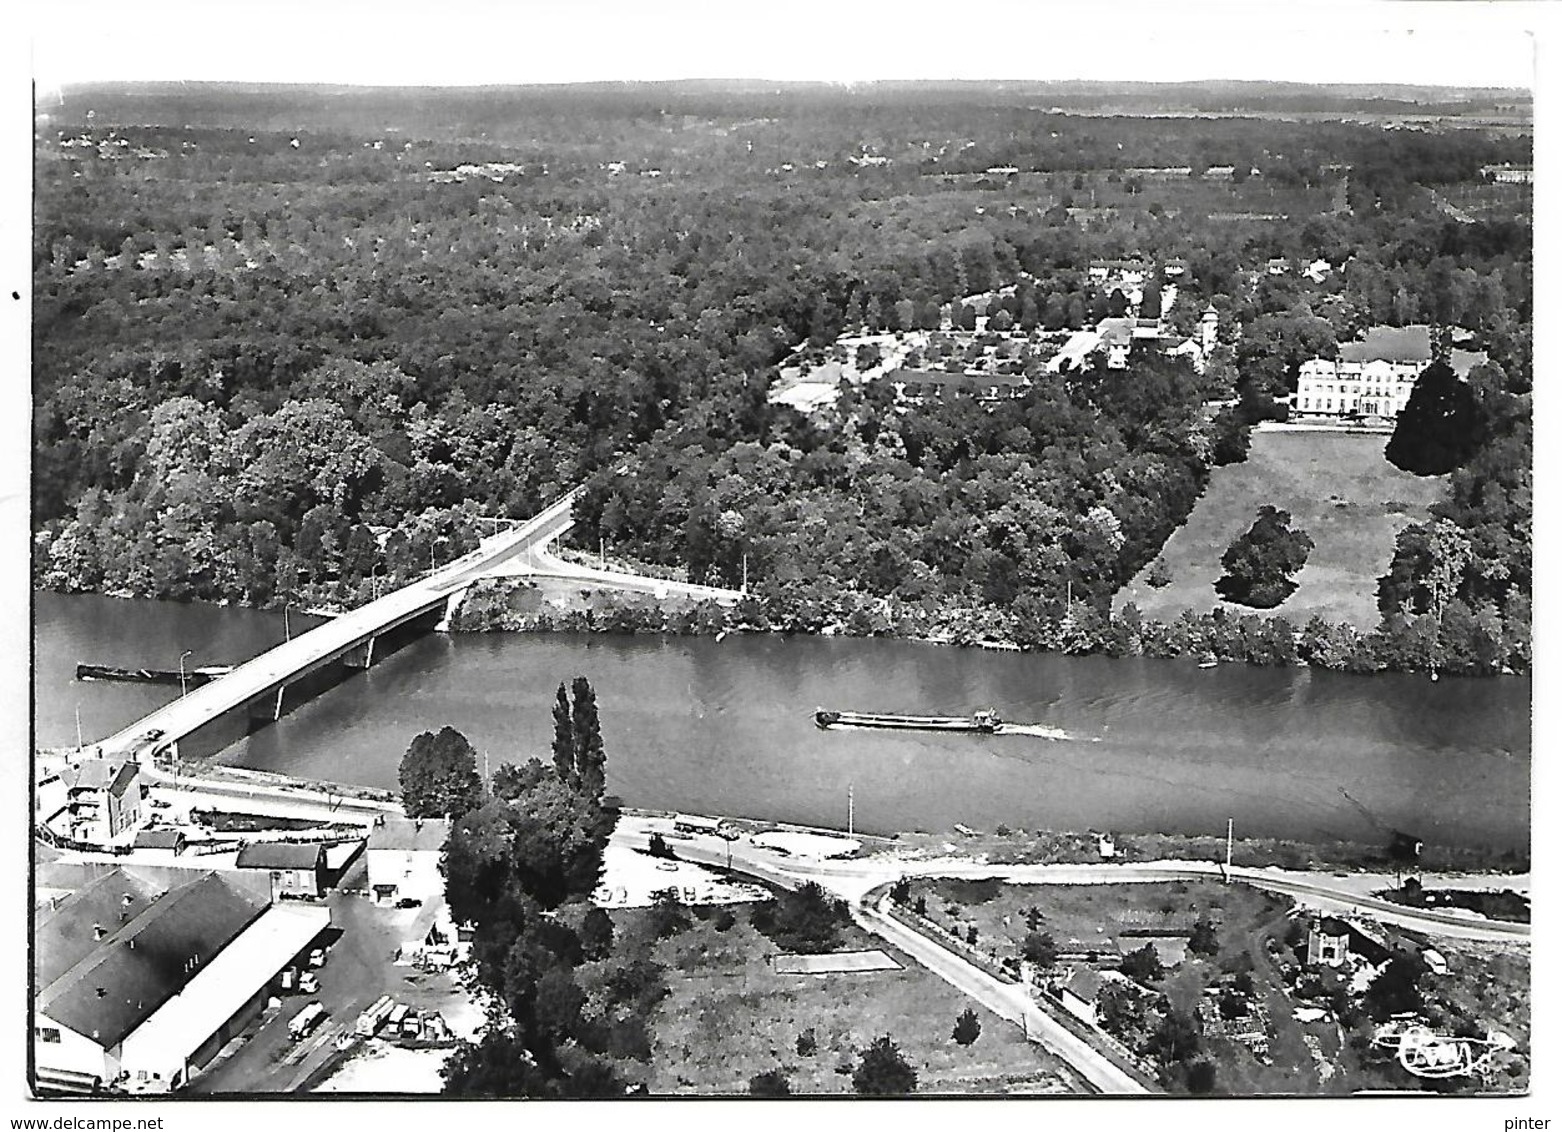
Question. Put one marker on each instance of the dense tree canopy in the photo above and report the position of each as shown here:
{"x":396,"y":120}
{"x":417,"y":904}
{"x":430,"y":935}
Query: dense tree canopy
{"x":439,"y":775}
{"x":1437,"y":431}
{"x":1259,"y":563}
{"x":573,"y":994}
{"x":281,"y":353}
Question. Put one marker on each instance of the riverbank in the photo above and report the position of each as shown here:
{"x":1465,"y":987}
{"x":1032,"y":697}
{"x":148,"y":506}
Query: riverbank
{"x":559,"y":606}
{"x":1039,"y":847}
{"x":697,"y":724}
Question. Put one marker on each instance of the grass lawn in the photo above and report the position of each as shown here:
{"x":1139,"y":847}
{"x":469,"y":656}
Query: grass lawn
{"x":731,"y":1016}
{"x":1337,"y":487}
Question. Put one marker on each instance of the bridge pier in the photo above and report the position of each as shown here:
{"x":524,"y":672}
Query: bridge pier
{"x":361,"y":655}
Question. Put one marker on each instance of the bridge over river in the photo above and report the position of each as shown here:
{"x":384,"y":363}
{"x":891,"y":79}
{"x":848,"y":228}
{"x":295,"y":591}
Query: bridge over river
{"x":216,"y":714}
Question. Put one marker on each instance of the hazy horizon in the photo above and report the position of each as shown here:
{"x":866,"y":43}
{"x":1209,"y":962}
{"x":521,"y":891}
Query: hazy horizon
{"x":485,"y":43}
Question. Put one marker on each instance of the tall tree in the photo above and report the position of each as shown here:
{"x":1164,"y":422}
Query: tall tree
{"x":590,"y":759}
{"x":1438,"y":429}
{"x":563,"y":738}
{"x":439,"y":775}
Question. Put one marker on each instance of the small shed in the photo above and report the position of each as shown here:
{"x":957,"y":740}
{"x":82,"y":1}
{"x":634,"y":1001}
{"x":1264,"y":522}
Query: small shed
{"x":296,"y":869}
{"x":167,"y":840}
{"x":1081,"y":995}
{"x":1328,"y":942}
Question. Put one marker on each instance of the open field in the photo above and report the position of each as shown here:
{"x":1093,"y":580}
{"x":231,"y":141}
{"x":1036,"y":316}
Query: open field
{"x":1337,"y":487}
{"x":731,"y":1015}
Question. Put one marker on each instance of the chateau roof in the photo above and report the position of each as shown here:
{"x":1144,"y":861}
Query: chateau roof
{"x":1390,"y":344}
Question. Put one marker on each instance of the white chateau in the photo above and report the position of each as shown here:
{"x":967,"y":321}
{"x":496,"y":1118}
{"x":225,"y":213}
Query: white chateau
{"x":1374,"y":376}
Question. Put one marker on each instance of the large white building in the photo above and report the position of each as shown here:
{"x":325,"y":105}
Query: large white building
{"x":404,"y":858}
{"x":1373,"y":377}
{"x":139,"y":981}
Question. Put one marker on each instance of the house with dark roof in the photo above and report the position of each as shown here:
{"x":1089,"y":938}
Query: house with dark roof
{"x":1328,"y":942}
{"x":102,"y":800}
{"x":136,"y":985}
{"x":295,"y":869}
{"x":404,"y":858}
{"x":1081,"y":995}
{"x":163,"y":840}
{"x":939,"y":385}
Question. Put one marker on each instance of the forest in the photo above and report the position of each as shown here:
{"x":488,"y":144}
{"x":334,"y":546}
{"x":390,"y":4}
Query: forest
{"x":289,"y":347}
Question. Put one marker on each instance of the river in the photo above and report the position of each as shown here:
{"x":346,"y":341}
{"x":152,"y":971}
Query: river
{"x":727,"y":727}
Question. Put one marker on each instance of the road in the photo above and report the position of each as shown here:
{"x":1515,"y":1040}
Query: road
{"x":263,"y":673}
{"x":1009,"y":1001}
{"x":538,"y":560}
{"x":854,"y":880}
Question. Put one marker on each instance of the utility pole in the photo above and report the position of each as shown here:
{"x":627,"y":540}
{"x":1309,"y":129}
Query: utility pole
{"x":1228,"y":850}
{"x":851,"y":811}
{"x":79,"y":743}
{"x":745,"y":571}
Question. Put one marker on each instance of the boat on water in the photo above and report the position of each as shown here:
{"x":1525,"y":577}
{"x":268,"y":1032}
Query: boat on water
{"x":190,"y":678}
{"x":981,"y":721}
{"x":1209,"y":660}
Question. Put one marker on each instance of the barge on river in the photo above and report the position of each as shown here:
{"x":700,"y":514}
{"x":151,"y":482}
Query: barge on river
{"x":190,"y":678}
{"x":986,"y":722}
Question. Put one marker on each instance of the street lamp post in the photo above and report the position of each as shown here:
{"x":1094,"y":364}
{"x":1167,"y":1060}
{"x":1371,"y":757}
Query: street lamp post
{"x":183,"y":687}
{"x":287,"y":625}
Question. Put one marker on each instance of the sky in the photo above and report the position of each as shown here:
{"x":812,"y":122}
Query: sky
{"x":484,"y":41}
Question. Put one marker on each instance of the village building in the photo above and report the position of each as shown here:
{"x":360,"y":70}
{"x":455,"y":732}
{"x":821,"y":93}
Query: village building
{"x":295,"y":870}
{"x":1118,"y":272}
{"x":1509,"y":174}
{"x":937,"y":385}
{"x":101,"y":800}
{"x":1328,"y":942}
{"x":168,"y":841}
{"x":138,"y":983}
{"x":404,"y":858}
{"x":1081,"y":995}
{"x":1373,"y":377}
{"x":1318,"y":270}
{"x":1075,"y":352}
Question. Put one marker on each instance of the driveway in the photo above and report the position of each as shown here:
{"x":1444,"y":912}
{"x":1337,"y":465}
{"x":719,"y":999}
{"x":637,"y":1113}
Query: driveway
{"x":359,"y":968}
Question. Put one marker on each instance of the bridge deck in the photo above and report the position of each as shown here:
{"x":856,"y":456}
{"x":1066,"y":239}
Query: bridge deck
{"x":307,"y":651}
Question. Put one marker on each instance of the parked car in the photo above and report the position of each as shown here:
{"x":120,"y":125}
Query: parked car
{"x":308,"y":983}
{"x":408,"y":902}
